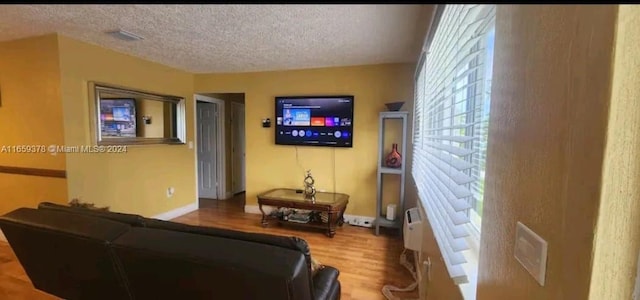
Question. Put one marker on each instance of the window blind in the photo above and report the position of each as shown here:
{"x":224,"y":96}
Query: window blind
{"x":450,"y":120}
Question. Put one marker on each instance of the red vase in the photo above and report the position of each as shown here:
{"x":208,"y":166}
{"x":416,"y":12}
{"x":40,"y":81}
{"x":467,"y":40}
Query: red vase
{"x":394,"y":159}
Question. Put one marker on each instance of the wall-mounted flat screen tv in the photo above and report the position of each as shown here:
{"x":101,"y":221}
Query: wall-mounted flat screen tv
{"x":314,"y":121}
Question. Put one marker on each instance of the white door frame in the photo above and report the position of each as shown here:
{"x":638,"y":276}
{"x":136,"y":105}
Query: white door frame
{"x":220,"y":145}
{"x":233,"y":143}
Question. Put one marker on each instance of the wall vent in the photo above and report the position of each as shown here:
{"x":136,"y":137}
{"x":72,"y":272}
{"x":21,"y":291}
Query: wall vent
{"x":125,"y":35}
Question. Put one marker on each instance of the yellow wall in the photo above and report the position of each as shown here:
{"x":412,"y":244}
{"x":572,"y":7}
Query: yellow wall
{"x":549,"y":109}
{"x":271,"y":166}
{"x":618,"y":227}
{"x":30,"y":86}
{"x":135,"y":181}
{"x":154,"y":109}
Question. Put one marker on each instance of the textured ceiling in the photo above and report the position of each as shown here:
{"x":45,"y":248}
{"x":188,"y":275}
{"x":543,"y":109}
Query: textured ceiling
{"x":234,"y":38}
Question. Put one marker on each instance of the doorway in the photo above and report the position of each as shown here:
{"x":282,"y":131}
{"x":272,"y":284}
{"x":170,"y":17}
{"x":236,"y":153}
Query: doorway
{"x":210,"y":145}
{"x":237,"y":148}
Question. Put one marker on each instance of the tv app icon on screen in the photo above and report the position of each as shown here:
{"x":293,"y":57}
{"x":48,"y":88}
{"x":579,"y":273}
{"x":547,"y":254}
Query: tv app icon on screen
{"x":330,"y":121}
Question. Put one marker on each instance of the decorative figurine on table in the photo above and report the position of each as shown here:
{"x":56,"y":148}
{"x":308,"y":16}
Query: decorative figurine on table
{"x":309,"y":189}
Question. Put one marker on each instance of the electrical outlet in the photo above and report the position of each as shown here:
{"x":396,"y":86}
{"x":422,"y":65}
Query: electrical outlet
{"x":170,"y":192}
{"x":531,"y":252}
{"x":358,"y":221}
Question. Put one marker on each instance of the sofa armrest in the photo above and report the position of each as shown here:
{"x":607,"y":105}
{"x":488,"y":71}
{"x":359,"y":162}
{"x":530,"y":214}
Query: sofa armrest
{"x":326,"y":285}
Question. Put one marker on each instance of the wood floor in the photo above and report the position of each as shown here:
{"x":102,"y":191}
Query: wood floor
{"x":366,"y":262}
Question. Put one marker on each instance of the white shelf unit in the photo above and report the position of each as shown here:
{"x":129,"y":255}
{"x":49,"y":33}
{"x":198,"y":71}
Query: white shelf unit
{"x":381,"y":220}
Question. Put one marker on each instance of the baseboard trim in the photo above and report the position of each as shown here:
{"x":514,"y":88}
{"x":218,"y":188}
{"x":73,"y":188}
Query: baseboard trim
{"x":2,"y":237}
{"x":172,"y":214}
{"x":354,"y":220}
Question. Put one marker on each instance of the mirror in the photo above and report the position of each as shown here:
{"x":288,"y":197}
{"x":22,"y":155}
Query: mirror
{"x":125,"y":116}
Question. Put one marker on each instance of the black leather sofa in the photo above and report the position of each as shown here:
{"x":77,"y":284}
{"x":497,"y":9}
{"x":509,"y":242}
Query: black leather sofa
{"x":76,"y":253}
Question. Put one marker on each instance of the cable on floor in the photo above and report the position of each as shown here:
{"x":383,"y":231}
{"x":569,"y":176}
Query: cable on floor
{"x":387,"y":289}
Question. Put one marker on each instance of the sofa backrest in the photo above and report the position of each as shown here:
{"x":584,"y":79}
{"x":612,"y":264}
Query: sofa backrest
{"x":67,"y":255}
{"x":286,"y":242}
{"x":131,"y":219}
{"x":195,"y":266}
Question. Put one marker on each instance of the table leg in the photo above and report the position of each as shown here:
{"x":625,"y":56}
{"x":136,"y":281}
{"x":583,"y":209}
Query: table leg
{"x":264,"y":222}
{"x":341,"y":216}
{"x":331,"y":230}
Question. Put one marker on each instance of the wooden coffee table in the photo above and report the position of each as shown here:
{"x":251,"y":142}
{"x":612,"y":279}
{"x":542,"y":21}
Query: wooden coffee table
{"x":334,"y":204}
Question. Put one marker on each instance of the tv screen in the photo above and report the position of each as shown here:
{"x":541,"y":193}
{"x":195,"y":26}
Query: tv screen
{"x":118,"y":117}
{"x":121,"y":113}
{"x":314,"y":121}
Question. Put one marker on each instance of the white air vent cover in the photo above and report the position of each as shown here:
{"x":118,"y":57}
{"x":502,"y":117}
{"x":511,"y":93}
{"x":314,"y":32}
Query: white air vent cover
{"x":412,"y":229}
{"x":125,"y":35}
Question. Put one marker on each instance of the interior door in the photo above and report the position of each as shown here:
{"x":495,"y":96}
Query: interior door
{"x":207,"y":118}
{"x":238,"y":148}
